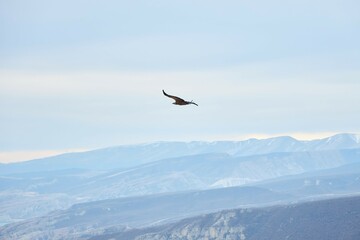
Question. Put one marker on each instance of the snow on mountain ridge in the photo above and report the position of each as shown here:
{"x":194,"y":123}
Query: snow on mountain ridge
{"x":356,"y":137}
{"x":232,"y":181}
{"x":127,"y":156}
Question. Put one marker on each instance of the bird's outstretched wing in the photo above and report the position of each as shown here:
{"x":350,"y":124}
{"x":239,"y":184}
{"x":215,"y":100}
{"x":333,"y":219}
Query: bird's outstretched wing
{"x":178,"y":101}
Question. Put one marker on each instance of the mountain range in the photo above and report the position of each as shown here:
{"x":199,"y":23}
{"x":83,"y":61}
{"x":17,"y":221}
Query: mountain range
{"x":134,"y":155}
{"x":316,"y":220}
{"x":140,"y":186}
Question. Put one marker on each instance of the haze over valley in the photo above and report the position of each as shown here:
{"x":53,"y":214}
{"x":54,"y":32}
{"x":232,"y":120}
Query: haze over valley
{"x":118,"y":189}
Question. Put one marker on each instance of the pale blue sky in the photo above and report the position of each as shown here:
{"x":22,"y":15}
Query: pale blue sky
{"x":88,"y":74}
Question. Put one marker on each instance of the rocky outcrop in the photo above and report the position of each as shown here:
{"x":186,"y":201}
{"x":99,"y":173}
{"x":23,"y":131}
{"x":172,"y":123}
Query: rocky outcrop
{"x":220,"y":229}
{"x":320,"y":220}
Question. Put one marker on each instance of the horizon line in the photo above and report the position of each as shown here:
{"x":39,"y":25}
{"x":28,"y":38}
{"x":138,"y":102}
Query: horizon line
{"x":28,"y":155}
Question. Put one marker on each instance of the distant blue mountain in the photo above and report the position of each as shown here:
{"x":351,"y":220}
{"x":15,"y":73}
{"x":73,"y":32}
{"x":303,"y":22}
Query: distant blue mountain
{"x":127,"y":156}
{"x":209,"y":171}
{"x":36,"y":187}
{"x":203,"y":171}
{"x":156,"y":217}
{"x":332,"y":219}
{"x":88,"y":218}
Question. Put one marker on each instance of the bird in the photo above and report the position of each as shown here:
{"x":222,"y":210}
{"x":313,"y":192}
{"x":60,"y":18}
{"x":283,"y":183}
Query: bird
{"x":179,"y":101}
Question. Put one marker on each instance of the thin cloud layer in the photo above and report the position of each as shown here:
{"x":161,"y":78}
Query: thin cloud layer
{"x":89,"y":74}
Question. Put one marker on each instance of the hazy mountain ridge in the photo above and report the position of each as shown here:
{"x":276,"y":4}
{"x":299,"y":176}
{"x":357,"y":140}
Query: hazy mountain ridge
{"x":133,"y":155}
{"x":177,"y":174}
{"x":125,"y":213}
{"x":104,"y":217}
{"x":61,"y":188}
{"x":21,"y":205}
{"x":319,"y":220}
{"x":168,"y":175}
{"x":209,"y":171}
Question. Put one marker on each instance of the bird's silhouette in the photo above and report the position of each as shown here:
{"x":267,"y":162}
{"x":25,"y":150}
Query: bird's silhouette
{"x":178,"y":101}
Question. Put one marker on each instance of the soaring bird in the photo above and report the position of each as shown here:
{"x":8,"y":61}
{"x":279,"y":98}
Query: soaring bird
{"x":178,"y":101}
